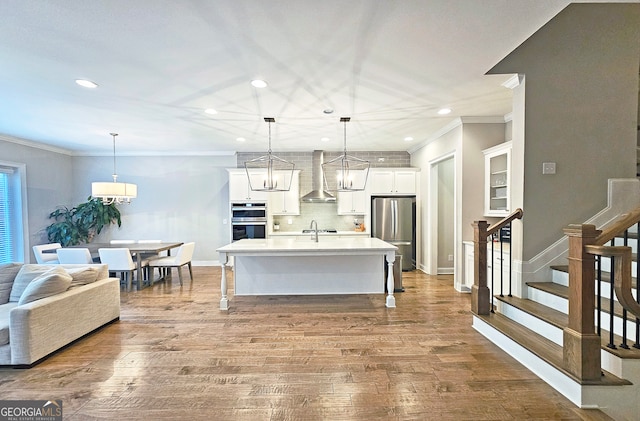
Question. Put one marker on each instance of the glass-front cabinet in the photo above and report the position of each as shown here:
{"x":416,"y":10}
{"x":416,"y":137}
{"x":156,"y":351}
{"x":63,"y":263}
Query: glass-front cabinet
{"x":497,"y":180}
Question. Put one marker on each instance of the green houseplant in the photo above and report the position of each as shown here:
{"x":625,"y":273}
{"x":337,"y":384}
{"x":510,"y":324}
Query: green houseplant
{"x":82,"y":222}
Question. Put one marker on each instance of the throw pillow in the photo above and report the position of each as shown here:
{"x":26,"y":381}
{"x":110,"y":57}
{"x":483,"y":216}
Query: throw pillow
{"x":26,"y":274}
{"x":52,"y":282}
{"x":83,"y":276}
{"x":8,"y":272}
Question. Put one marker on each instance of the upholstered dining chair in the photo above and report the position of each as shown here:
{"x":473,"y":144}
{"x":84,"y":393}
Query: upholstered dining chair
{"x":182,"y":257}
{"x":119,"y":260}
{"x":74,"y":255}
{"x":42,"y":257}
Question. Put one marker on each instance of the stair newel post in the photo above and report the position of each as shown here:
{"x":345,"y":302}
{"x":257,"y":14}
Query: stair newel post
{"x":581,"y":347}
{"x":480,"y":303}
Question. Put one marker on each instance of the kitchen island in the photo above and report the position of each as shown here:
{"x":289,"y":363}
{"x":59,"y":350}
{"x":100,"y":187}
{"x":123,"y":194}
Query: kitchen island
{"x":301,"y":266}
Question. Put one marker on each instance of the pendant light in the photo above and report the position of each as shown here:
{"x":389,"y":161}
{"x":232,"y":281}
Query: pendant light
{"x":113,"y":191}
{"x":269,"y":173}
{"x":350,"y":173}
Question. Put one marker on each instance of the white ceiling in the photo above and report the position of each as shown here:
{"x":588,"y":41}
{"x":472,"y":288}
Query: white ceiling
{"x":388,"y":64}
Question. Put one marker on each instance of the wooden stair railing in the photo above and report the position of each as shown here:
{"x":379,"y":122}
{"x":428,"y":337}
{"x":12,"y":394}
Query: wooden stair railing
{"x":581,"y":347}
{"x":480,"y":299}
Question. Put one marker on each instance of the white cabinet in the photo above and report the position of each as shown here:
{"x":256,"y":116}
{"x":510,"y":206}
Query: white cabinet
{"x":498,"y":266}
{"x":497,"y":180}
{"x":286,"y":202}
{"x":353,"y":202}
{"x":239,"y":188}
{"x":393,"y":181}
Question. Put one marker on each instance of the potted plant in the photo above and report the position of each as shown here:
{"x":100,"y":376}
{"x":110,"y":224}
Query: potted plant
{"x":82,"y":222}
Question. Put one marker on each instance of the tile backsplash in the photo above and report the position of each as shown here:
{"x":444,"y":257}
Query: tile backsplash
{"x":326,"y":214}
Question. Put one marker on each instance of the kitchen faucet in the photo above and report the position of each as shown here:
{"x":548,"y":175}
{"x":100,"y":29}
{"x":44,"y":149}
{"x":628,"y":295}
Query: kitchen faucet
{"x":315,"y":230}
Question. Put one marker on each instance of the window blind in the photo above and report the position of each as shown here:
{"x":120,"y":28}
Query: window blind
{"x":10,"y":220}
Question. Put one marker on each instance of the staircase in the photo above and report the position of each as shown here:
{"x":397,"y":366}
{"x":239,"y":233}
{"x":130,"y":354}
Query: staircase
{"x":533,"y":330}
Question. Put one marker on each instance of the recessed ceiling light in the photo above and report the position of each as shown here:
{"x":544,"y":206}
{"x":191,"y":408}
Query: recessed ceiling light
{"x":241,"y":139}
{"x":257,"y":83}
{"x":328,"y":111}
{"x":408,"y":139}
{"x":210,"y":111}
{"x":86,"y":83}
{"x":444,"y":111}
{"x":325,"y":139}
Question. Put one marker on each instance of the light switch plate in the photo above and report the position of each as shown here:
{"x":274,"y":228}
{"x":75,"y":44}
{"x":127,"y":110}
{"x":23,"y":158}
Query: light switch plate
{"x":548,"y":168}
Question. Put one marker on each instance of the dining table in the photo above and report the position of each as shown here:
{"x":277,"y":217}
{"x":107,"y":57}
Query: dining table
{"x":139,"y":250}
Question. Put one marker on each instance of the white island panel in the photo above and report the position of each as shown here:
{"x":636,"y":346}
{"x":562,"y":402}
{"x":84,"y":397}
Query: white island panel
{"x":308,"y":275}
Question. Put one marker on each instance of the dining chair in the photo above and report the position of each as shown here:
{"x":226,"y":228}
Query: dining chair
{"x":182,"y":257}
{"x":119,"y":260}
{"x":42,"y":257}
{"x":74,"y":255}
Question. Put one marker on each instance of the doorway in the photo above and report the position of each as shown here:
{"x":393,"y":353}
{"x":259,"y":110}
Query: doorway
{"x":442,"y":216}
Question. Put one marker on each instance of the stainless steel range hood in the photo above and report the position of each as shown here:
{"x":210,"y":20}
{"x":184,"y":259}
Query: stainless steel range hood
{"x":317,"y":194}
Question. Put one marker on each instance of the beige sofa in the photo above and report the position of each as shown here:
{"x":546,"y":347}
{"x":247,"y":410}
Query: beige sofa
{"x":32,"y":327}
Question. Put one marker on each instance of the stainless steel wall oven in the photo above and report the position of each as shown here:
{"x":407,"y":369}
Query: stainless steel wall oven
{"x":248,"y":220}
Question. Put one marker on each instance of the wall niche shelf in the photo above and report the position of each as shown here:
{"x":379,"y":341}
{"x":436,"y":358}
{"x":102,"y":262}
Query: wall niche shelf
{"x":497,"y":180}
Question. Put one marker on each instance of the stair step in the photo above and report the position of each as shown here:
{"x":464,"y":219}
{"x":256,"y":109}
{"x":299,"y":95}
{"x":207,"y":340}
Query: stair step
{"x":561,"y":320}
{"x":563,"y":292}
{"x":606,"y":276}
{"x":543,"y":348}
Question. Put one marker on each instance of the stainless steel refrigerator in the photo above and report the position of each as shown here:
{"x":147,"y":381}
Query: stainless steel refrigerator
{"x":393,"y":219}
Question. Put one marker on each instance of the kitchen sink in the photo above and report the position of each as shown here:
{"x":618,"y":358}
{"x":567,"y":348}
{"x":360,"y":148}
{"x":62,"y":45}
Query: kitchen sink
{"x":325,"y":231}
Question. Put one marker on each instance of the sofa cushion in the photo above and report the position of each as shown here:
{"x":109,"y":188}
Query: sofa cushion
{"x":27,"y":273}
{"x":8,"y":272}
{"x":4,"y":322}
{"x":82,"y":276}
{"x":52,"y":282}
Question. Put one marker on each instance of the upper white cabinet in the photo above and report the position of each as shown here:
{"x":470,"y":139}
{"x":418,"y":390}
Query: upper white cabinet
{"x":497,"y":180}
{"x":353,"y":202}
{"x":239,"y":188}
{"x":286,"y":202}
{"x":392,"y":181}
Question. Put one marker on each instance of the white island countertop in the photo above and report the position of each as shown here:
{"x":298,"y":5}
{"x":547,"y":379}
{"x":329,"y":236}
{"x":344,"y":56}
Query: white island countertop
{"x":275,"y":246}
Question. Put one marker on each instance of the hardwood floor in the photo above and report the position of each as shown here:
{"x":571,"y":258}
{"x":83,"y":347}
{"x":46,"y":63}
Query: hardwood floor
{"x":175,"y":356}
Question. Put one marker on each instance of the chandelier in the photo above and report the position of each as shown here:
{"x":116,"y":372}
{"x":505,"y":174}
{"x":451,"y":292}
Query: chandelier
{"x":112,"y":191}
{"x":350,"y":173}
{"x":269,"y":173}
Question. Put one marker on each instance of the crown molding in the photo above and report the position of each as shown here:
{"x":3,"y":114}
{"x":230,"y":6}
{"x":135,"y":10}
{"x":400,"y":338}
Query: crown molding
{"x":156,"y":153}
{"x":512,"y":82}
{"x":33,"y":144}
{"x":68,"y":152}
{"x":455,"y":124}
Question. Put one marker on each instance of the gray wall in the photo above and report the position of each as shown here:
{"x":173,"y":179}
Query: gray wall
{"x":465,"y":143}
{"x":49,"y":184}
{"x":580,"y":111}
{"x":180,"y":198}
